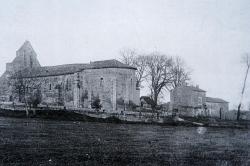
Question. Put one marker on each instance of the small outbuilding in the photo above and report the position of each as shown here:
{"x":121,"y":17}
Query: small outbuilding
{"x":216,"y":107}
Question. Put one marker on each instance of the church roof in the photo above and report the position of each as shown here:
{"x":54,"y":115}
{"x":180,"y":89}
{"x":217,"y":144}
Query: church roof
{"x":215,"y":100}
{"x":50,"y":70}
{"x":69,"y":68}
{"x":108,"y":64}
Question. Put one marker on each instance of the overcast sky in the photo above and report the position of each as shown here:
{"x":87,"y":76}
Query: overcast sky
{"x":210,"y":35}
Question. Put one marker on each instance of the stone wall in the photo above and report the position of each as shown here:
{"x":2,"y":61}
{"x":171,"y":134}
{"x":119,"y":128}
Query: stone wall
{"x":213,"y":109}
{"x":115,"y":88}
{"x":4,"y":87}
{"x":55,"y":90}
{"x":112,"y":86}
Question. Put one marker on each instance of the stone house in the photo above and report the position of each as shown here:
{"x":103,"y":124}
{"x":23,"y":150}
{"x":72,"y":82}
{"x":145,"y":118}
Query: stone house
{"x":188,"y":100}
{"x":192,"y":101}
{"x":216,"y":107}
{"x":74,"y":85}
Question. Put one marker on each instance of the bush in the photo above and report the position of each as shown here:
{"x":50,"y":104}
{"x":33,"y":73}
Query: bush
{"x":96,"y":104}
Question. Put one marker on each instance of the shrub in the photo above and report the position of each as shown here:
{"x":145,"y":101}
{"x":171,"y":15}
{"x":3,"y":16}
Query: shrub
{"x":96,"y":104}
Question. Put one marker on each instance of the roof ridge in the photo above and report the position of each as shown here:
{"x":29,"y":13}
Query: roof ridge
{"x":216,"y":99}
{"x":63,"y":69}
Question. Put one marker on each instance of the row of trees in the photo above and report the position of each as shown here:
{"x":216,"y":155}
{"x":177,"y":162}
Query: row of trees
{"x":159,"y":71}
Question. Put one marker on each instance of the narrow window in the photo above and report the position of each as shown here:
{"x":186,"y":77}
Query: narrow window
{"x":31,"y":62}
{"x":67,"y":85}
{"x":101,"y":81}
{"x":199,"y":100}
{"x":24,"y":60}
{"x":49,"y":86}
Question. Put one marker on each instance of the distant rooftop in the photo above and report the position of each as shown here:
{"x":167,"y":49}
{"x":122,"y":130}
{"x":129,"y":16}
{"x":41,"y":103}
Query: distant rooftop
{"x":194,"y":88}
{"x":215,"y":100}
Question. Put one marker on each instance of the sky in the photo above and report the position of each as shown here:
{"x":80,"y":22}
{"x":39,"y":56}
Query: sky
{"x":210,"y":35}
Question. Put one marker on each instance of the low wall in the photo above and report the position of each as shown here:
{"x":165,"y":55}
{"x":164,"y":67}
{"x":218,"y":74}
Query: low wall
{"x":129,"y":115}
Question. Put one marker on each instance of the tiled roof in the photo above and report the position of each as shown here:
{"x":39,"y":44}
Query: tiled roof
{"x":51,"y":70}
{"x":109,"y":64}
{"x":195,"y":88}
{"x":70,"y":68}
{"x":215,"y":100}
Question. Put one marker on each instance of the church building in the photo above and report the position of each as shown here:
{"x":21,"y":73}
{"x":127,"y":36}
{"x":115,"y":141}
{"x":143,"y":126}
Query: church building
{"x":110,"y":82}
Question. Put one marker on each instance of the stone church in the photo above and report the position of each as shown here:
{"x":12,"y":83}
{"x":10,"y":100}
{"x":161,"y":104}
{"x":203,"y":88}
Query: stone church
{"x":73,"y":85}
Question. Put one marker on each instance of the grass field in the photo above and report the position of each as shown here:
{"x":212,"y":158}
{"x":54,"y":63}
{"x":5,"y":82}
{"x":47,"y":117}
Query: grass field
{"x":50,"y":142}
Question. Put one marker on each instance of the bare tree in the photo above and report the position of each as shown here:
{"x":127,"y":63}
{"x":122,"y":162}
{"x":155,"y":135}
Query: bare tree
{"x":158,"y":74}
{"x":180,"y":75}
{"x":27,"y":90}
{"x":141,"y":65}
{"x":132,"y":58}
{"x":128,"y":56}
{"x":246,"y":61}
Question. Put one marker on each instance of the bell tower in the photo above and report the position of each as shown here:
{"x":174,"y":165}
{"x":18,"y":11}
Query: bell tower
{"x":26,"y":57}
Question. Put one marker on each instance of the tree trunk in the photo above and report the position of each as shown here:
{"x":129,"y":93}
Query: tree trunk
{"x":238,"y":112}
{"x":155,"y":101}
{"x":243,"y":90}
{"x":26,"y":106}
